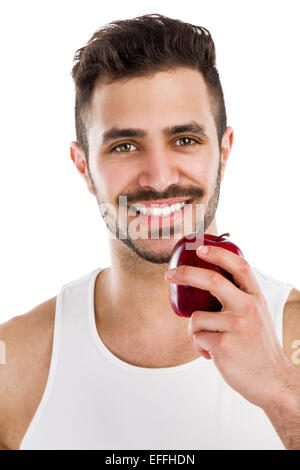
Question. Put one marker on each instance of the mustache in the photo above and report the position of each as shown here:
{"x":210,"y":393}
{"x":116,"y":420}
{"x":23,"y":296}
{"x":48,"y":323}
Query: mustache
{"x":174,"y":192}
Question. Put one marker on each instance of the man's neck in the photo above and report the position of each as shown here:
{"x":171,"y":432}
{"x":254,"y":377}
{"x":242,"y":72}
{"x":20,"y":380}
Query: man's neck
{"x":129,"y":299}
{"x":138,"y":333}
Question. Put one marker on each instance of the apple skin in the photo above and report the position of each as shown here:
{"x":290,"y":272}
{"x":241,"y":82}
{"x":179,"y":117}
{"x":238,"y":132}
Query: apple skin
{"x":186,"y":299}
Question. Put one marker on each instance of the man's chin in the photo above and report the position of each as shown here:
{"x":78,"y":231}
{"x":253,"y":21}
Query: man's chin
{"x":155,"y":251}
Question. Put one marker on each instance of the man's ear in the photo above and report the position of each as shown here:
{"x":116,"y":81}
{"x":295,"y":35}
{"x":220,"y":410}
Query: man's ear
{"x":78,"y":157}
{"x":227,"y":142}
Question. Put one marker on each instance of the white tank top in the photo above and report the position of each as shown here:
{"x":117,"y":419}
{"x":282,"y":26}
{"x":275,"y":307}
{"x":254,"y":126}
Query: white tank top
{"x":94,"y":400}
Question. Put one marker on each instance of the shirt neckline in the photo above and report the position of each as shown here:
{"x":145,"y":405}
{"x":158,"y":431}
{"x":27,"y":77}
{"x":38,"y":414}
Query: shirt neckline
{"x":110,"y":356}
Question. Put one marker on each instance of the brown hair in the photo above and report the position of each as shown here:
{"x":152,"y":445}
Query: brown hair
{"x":142,"y":46}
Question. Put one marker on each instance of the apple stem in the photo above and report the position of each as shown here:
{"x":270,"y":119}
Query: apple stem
{"x":223,"y":235}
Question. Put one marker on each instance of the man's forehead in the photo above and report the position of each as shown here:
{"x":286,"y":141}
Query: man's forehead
{"x":117,"y":106}
{"x":162,"y":88}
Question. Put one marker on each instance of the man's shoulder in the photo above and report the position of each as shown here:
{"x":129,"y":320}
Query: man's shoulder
{"x":27,"y":341}
{"x":34,"y":319}
{"x":294,"y":296}
{"x":23,"y":334}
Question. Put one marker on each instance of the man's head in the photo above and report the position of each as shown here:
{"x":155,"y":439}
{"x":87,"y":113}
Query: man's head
{"x":151,"y":74}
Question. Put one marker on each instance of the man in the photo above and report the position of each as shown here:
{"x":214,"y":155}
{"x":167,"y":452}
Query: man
{"x":106,"y":364}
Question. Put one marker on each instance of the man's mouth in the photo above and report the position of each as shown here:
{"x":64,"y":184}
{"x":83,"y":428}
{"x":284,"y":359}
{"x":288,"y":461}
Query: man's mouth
{"x":160,"y":208}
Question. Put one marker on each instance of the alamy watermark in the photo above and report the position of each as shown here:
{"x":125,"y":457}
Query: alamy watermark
{"x":295,"y":357}
{"x":155,"y":226}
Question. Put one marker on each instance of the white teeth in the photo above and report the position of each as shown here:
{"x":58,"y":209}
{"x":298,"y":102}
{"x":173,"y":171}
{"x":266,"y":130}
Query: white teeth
{"x":157,"y":212}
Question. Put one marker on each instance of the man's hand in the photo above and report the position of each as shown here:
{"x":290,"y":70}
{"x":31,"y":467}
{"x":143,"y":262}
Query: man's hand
{"x":240,"y":339}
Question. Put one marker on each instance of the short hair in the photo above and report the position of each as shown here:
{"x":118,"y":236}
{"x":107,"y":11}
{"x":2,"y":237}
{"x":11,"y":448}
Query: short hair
{"x":139,"y":47}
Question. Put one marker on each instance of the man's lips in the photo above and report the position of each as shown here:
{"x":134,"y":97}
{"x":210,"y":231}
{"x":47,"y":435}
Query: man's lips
{"x":161,"y":203}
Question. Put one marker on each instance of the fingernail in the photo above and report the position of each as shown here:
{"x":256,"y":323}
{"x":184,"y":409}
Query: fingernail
{"x":171,"y":273}
{"x":202,"y":249}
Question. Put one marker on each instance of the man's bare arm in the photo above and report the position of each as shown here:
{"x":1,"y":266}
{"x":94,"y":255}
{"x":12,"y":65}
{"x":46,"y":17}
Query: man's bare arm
{"x":28,"y":343}
{"x":284,"y":413}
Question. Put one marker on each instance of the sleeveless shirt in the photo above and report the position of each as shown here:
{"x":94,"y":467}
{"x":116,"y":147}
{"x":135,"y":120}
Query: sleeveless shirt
{"x":94,"y":400}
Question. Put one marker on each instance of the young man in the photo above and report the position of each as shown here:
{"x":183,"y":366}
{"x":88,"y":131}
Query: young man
{"x":106,"y":364}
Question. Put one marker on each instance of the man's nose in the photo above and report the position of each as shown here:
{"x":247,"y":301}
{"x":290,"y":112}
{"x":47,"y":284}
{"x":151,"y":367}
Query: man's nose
{"x":158,"y":170}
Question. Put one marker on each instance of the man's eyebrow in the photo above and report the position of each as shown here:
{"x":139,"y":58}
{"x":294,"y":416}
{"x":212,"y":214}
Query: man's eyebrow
{"x":116,"y":133}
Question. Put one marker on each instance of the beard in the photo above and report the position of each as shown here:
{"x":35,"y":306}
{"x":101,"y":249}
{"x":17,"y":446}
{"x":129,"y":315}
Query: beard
{"x":122,"y":234}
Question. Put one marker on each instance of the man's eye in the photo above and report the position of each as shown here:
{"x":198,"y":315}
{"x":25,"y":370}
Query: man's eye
{"x":187,"y":138}
{"x":119,"y":146}
{"x":128,"y":144}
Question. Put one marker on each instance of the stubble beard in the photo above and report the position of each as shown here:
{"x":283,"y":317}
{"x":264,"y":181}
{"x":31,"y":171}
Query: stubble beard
{"x":122,"y":234}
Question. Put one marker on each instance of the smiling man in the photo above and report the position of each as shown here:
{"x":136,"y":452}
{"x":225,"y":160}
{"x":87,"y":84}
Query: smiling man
{"x":106,"y":364}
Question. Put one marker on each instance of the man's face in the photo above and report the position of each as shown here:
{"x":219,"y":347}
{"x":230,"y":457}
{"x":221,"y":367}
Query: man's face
{"x":153,"y":165}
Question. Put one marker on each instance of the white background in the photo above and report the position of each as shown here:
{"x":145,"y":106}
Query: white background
{"x":51,"y":228}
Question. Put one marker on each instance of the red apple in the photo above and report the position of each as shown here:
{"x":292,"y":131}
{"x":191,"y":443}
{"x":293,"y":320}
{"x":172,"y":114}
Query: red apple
{"x":186,"y":299}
